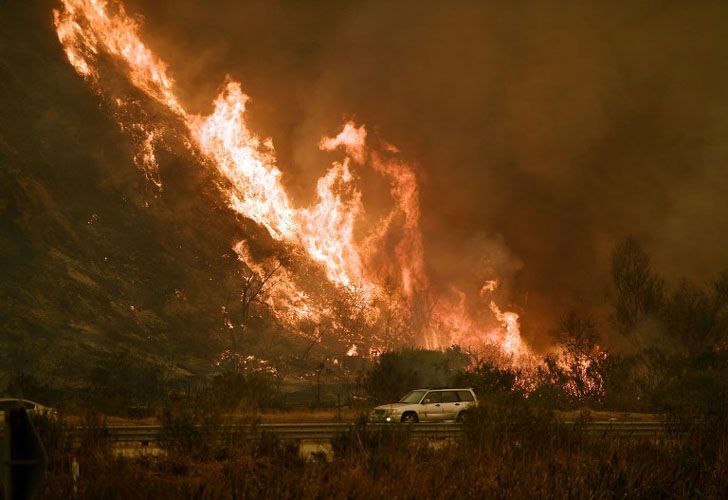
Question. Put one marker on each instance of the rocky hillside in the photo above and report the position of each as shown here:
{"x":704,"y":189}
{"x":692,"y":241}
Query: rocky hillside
{"x":95,"y":261}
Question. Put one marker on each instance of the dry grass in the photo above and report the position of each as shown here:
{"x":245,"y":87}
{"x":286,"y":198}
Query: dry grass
{"x":511,"y":451}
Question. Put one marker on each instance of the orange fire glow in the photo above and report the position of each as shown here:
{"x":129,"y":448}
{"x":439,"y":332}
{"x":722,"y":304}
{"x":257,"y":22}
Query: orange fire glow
{"x":325,"y":231}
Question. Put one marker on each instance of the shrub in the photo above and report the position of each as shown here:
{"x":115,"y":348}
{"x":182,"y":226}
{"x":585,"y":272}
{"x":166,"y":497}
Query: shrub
{"x":398,"y":372}
{"x":251,"y":390}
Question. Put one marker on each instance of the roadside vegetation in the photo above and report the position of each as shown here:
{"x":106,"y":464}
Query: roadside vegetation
{"x":676,"y":365}
{"x":674,"y":359}
{"x":512,"y":448}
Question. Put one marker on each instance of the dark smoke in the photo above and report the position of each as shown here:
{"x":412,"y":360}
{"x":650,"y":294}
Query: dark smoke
{"x":558,"y":127}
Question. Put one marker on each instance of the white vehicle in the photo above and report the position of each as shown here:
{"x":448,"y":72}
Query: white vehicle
{"x":7,"y":404}
{"x":428,"y":405}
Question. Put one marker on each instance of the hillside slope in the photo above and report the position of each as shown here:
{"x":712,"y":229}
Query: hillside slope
{"x":95,"y":261}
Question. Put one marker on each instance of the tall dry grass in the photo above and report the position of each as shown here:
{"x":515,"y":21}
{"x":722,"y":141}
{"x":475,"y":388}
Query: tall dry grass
{"x":511,"y":450}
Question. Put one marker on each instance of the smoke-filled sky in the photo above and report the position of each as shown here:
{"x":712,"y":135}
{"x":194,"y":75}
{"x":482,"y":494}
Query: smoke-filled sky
{"x":544,"y":131}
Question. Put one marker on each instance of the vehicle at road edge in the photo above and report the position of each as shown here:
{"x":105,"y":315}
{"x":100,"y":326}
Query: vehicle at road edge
{"x":428,"y":405}
{"x":6,"y":404}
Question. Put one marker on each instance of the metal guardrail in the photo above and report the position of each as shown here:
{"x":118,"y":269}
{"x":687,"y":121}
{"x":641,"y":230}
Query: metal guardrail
{"x":148,"y":434}
{"x":626,"y":429}
{"x":286,"y":432}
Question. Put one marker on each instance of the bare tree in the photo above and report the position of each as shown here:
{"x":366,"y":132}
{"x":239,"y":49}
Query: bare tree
{"x":697,"y":319}
{"x":689,"y":319}
{"x":579,"y":368}
{"x":578,"y":335}
{"x":639,"y":294}
{"x":254,"y":290}
{"x":423,"y":307}
{"x":394,"y":326}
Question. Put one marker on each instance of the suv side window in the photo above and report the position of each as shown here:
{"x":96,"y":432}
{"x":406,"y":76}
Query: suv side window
{"x":465,"y":395}
{"x":432,"y":397}
{"x":450,"y":397}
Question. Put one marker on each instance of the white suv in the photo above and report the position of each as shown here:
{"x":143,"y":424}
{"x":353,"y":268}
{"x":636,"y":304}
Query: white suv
{"x":6,"y":404}
{"x":427,"y":405}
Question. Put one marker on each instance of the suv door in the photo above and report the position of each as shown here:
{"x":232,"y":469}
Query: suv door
{"x":431,"y":407}
{"x":451,"y":405}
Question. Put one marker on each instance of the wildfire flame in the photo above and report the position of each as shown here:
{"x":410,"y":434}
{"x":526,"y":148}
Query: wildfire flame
{"x":91,"y":31}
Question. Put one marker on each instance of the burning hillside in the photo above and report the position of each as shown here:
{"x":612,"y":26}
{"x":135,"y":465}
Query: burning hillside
{"x":335,"y":268}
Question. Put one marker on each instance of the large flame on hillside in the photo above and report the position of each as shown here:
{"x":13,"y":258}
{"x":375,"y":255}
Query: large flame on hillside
{"x":384,"y":269}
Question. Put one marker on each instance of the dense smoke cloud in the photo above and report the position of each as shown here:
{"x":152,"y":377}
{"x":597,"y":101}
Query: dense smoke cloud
{"x":554,"y":128}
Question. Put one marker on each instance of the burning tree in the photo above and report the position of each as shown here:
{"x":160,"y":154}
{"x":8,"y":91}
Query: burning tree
{"x":254,"y":291}
{"x":578,"y":366}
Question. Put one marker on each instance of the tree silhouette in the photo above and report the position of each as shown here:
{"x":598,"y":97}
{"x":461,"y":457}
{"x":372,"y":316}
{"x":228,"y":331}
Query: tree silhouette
{"x":639,"y":293}
{"x":254,"y":290}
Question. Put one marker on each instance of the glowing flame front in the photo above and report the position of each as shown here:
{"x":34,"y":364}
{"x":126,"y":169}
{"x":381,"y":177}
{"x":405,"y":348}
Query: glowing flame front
{"x":325,"y":231}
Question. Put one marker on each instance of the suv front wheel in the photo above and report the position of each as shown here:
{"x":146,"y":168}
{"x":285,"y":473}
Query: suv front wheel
{"x":409,"y":418}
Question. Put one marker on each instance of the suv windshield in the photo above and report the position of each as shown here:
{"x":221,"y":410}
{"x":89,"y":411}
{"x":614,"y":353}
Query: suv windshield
{"x":412,"y":397}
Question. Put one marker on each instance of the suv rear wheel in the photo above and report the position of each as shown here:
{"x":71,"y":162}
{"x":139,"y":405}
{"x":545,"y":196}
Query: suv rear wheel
{"x":409,"y":418}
